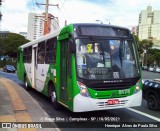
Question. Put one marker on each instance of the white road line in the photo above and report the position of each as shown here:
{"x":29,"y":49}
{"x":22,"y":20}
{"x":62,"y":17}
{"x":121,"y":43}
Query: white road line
{"x":144,"y":114}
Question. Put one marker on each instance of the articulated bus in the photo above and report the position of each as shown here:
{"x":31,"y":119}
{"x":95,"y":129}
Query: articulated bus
{"x":84,"y":67}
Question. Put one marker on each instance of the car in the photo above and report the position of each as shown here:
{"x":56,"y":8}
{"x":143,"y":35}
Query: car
{"x":9,"y":68}
{"x":157,"y":69}
{"x":151,"y":93}
{"x":151,"y":69}
{"x":144,"y":68}
{"x":4,"y":58}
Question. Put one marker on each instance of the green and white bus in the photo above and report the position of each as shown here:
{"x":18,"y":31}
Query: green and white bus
{"x":84,"y":67}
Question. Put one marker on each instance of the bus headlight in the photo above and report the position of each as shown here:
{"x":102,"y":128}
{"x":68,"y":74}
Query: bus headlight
{"x":83,"y":89}
{"x":137,"y":88}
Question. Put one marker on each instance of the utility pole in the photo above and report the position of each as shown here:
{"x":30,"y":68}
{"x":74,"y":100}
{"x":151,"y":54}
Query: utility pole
{"x":46,"y":24}
{"x":0,"y":14}
{"x":46,"y":30}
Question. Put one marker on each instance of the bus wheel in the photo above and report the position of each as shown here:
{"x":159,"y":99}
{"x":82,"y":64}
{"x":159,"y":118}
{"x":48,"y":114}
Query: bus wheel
{"x":53,"y":96}
{"x":152,"y":102}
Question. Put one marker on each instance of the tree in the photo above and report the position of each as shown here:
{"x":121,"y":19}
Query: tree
{"x":153,"y":57}
{"x":1,"y":46}
{"x":11,"y":44}
{"x":156,"y":54}
{"x":150,"y":60}
{"x":157,"y":58}
{"x":145,"y":45}
{"x":136,"y":38}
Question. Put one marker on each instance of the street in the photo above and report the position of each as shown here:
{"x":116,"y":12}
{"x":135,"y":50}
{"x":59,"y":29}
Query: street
{"x":136,"y":114}
{"x":150,"y":75}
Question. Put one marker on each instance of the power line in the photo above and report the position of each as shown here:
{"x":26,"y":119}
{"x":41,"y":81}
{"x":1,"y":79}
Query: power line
{"x":60,"y":10}
{"x":46,"y":24}
{"x":33,"y":5}
{"x":0,"y":14}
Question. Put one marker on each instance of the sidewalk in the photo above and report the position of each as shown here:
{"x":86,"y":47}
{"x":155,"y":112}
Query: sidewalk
{"x":16,"y":105}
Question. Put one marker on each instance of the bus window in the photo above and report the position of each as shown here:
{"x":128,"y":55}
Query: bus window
{"x":29,"y":54}
{"x":18,"y":55}
{"x":25,"y":55}
{"x":50,"y":55}
{"x":41,"y":53}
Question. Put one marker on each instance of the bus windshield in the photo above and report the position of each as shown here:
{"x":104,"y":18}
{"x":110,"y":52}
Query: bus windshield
{"x":106,"y":58}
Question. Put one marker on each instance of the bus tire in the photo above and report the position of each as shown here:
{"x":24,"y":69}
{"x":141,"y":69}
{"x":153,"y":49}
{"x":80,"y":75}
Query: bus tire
{"x":152,"y":102}
{"x":52,"y":95}
{"x":26,"y":83}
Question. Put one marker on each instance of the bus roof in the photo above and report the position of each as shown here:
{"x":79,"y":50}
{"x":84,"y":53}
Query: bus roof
{"x":48,"y":36}
{"x":95,"y":24}
{"x":57,"y":32}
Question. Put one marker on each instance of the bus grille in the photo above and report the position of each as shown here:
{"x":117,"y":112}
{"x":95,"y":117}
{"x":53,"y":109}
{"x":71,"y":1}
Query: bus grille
{"x":104,"y":105}
{"x":112,"y":86}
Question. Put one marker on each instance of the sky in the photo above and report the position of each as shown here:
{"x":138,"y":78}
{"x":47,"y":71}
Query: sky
{"x":116,"y":12}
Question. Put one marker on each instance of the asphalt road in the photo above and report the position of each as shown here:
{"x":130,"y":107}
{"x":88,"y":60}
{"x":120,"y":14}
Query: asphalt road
{"x":150,"y":75}
{"x":137,"y":114}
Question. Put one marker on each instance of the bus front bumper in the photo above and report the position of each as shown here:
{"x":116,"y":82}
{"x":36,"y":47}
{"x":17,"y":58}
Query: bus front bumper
{"x":84,"y":104}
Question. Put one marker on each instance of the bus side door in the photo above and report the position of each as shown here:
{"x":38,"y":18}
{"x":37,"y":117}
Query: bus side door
{"x":64,"y":71}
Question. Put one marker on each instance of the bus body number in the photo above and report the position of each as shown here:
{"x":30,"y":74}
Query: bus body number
{"x":124,"y":92}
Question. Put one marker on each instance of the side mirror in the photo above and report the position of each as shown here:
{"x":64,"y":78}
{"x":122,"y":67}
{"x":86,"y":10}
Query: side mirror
{"x":72,"y":46}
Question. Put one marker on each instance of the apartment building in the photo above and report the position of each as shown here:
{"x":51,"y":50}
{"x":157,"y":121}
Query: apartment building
{"x":149,"y":25}
{"x":134,"y":30}
{"x":36,"y":25}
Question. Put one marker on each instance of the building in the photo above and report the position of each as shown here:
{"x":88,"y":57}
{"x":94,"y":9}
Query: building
{"x":149,"y":25}
{"x":134,"y":30}
{"x":4,"y":34}
{"x":23,"y":34}
{"x":36,"y":25}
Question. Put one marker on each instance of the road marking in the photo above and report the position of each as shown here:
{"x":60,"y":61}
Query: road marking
{"x":144,"y":114}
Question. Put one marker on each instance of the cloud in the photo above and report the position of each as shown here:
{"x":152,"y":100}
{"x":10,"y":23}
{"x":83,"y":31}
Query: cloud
{"x":15,"y":15}
{"x":117,"y":12}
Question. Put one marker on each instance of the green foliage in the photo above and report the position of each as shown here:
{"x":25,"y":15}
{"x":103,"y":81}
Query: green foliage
{"x":155,"y":55}
{"x":150,"y":60}
{"x":151,"y":55}
{"x":11,"y":43}
{"x":136,"y":38}
{"x":1,"y":46}
{"x":145,"y":45}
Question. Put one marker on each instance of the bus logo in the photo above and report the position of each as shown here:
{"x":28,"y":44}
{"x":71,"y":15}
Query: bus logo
{"x":113,"y":81}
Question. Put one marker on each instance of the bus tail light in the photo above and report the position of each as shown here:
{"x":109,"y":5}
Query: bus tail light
{"x":83,"y":89}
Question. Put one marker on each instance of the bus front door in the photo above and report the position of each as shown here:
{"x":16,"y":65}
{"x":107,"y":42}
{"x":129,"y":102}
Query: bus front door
{"x":63,"y":72}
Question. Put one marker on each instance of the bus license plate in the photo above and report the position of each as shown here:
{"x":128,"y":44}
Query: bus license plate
{"x":113,"y":102}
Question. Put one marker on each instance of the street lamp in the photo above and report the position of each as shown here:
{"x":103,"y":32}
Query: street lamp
{"x":108,"y":21}
{"x":99,"y":21}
